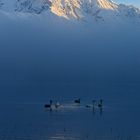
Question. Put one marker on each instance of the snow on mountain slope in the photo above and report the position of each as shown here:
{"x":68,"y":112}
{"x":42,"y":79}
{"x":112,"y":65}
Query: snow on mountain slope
{"x":96,"y":10}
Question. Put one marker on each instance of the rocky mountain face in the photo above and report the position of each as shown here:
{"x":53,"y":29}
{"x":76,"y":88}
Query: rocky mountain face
{"x":98,"y":10}
{"x":32,"y":6}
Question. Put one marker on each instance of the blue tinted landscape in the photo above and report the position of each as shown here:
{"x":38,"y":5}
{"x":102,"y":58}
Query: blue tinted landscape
{"x":64,"y":60}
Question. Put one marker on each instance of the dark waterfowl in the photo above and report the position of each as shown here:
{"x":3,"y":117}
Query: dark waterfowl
{"x":100,"y":104}
{"x":93,"y":104}
{"x":89,"y":106}
{"x":48,"y":105}
{"x":57,"y":105}
{"x":77,"y":101}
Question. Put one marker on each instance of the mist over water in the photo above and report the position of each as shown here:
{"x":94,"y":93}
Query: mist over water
{"x":64,"y":61}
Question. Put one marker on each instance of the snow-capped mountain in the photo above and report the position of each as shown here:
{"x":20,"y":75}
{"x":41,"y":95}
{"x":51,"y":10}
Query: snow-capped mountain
{"x":98,"y":10}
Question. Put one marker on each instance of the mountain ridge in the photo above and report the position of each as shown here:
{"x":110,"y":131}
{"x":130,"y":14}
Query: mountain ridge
{"x":98,"y":10}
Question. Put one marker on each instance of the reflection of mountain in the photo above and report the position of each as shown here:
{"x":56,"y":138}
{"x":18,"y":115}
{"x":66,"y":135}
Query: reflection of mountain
{"x":74,"y":9}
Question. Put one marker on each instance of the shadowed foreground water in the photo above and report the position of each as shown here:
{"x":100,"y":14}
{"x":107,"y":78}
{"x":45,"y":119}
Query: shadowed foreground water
{"x":119,"y":120}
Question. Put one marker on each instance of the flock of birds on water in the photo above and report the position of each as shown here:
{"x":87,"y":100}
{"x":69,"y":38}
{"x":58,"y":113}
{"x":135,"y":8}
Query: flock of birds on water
{"x":57,"y":105}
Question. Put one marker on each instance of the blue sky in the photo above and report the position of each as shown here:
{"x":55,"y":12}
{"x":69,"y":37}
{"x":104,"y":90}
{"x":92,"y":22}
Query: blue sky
{"x":134,"y":2}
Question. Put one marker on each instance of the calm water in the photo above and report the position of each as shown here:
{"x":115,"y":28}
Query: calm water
{"x":38,"y":64}
{"x":22,"y":119}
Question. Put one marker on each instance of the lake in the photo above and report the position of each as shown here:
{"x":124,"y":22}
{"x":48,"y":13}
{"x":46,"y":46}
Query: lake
{"x":24,"y":117}
{"x":63,"y":64}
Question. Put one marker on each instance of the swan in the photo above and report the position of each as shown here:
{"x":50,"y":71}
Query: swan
{"x":100,"y":104}
{"x":48,"y":105}
{"x":93,"y":104}
{"x":57,"y":105}
{"x":77,"y":101}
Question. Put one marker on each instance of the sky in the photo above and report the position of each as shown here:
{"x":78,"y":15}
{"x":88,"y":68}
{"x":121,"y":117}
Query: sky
{"x":134,"y":2}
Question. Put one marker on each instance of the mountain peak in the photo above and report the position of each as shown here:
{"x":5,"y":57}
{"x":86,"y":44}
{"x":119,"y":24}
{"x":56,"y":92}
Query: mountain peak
{"x":74,"y":9}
